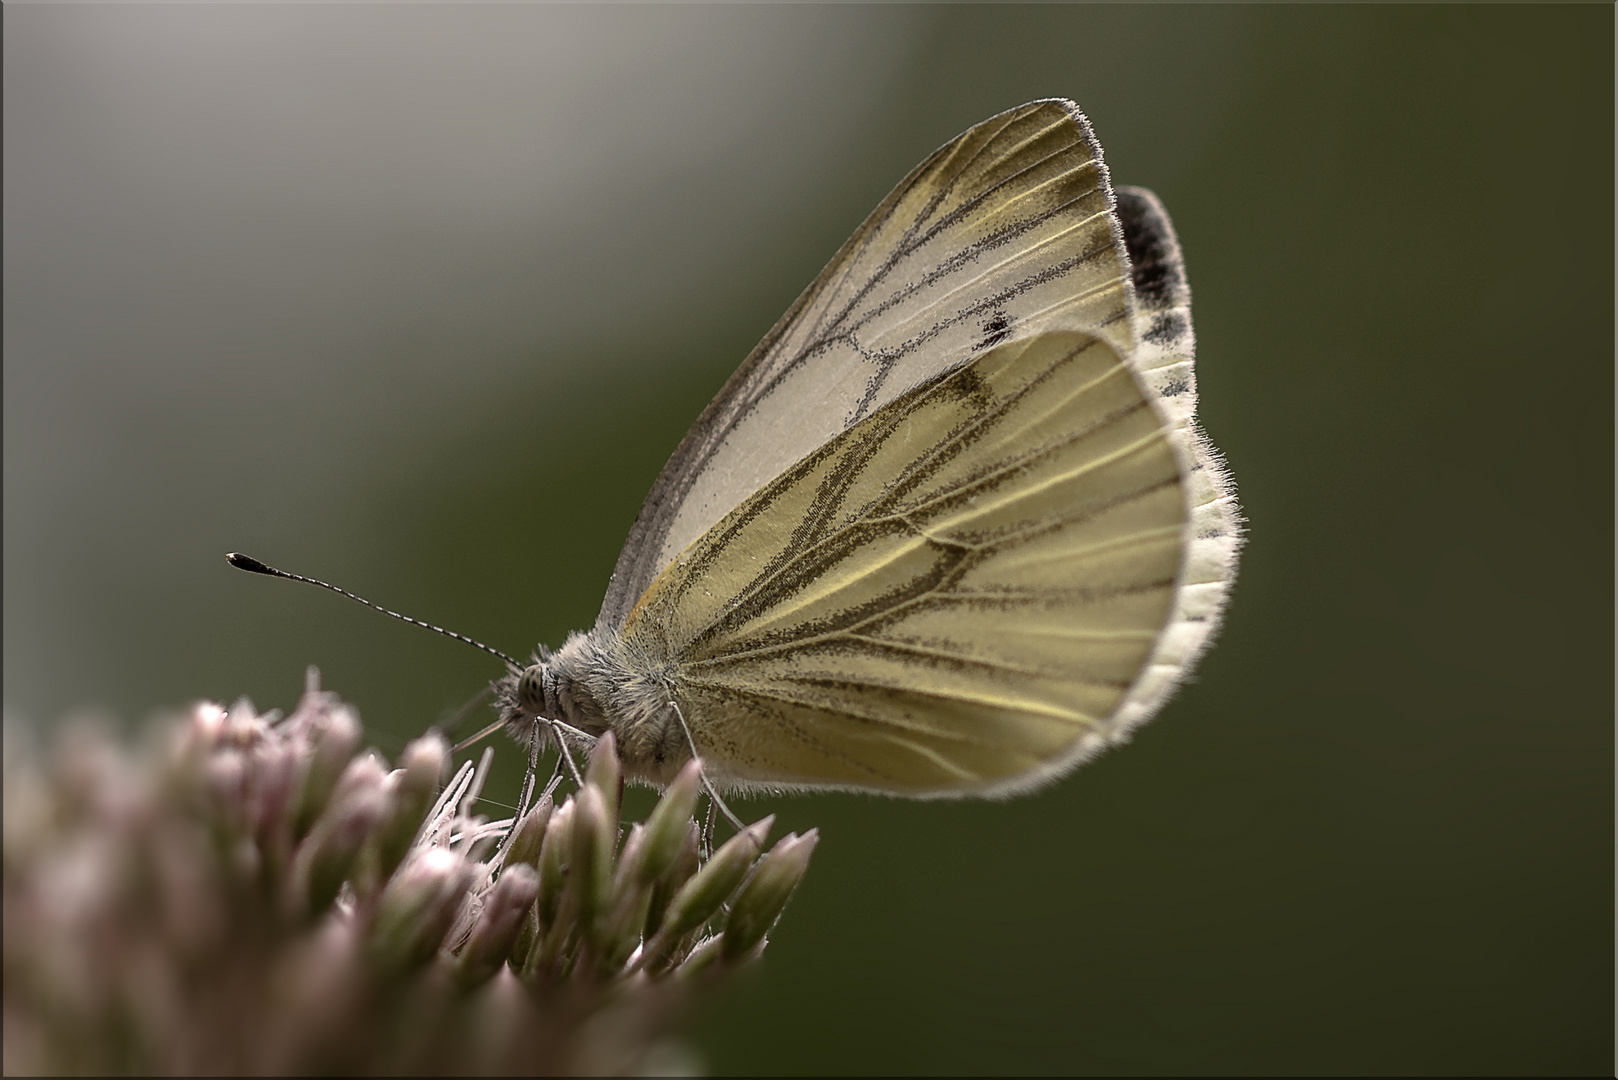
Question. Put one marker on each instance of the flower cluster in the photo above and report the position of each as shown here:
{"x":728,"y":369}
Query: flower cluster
{"x":257,"y":895}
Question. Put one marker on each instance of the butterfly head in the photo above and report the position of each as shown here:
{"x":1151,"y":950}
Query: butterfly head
{"x":536,"y":691}
{"x":555,"y":687}
{"x":544,"y":690}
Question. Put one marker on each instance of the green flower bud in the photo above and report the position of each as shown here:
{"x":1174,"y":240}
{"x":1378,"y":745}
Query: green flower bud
{"x":619,"y":929}
{"x":619,"y":936}
{"x":700,"y":898}
{"x":627,"y":877}
{"x":766,"y":893}
{"x":591,"y":846}
{"x":669,"y":822}
{"x":529,"y":835}
{"x":336,"y":737}
{"x":421,"y":769}
{"x":418,"y":907}
{"x":668,"y":883}
{"x":325,"y":858}
{"x":553,"y":864}
{"x":498,"y":924}
{"x":606,"y":775}
{"x":702,"y":958}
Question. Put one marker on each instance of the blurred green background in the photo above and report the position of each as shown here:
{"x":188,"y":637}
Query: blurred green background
{"x":418,"y":300}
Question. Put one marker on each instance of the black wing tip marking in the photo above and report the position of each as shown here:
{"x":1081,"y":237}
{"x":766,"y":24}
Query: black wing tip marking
{"x":1167,"y":326}
{"x":1158,"y":268}
{"x":1175,"y":387}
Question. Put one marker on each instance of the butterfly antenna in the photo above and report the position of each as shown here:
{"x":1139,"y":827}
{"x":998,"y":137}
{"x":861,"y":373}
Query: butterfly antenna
{"x":252,"y":565}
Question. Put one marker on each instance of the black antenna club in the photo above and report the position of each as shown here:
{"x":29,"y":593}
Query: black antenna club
{"x":253,"y":566}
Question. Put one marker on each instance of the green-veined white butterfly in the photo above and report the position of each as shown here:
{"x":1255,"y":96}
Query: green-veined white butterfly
{"x":951,"y":528}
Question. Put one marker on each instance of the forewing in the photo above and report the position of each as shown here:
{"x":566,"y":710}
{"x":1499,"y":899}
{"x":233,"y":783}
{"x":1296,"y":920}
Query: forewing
{"x":1004,"y":231}
{"x":953,"y":596}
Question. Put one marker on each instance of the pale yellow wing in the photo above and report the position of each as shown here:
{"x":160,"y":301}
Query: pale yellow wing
{"x":1008,"y":229}
{"x":952,"y":596}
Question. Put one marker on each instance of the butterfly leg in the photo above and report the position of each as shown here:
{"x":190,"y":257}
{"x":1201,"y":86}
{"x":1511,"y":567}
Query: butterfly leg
{"x":559,"y":729}
{"x":706,"y":845}
{"x":526,"y":800}
{"x":532,"y":775}
{"x":713,"y":796}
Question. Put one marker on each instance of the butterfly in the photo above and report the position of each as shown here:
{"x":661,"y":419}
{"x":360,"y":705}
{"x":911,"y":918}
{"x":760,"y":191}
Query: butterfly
{"x":951,"y":529}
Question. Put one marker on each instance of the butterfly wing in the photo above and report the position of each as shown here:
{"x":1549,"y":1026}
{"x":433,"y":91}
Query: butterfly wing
{"x":1007,"y":229}
{"x":953,"y":596}
{"x":952,"y":528}
{"x":1164,"y":366}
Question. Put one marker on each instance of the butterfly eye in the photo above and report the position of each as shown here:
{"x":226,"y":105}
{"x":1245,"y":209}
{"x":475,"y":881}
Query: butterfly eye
{"x":531,"y":690}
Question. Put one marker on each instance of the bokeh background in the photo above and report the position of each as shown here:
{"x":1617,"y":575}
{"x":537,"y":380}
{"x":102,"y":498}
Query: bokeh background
{"x":418,"y":299}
